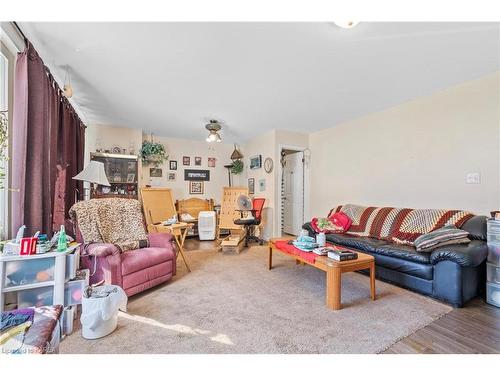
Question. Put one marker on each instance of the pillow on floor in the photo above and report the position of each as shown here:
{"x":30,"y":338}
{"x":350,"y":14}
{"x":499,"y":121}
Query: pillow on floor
{"x":448,"y":235}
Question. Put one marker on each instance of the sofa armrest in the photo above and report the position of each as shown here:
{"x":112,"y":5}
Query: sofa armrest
{"x":471,"y":254}
{"x":104,"y":262}
{"x":163,"y":240}
{"x":101,"y":249}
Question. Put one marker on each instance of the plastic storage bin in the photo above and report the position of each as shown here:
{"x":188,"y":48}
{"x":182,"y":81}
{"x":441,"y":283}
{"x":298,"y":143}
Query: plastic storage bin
{"x":68,"y":319}
{"x":494,"y":232}
{"x":73,"y":290}
{"x":493,"y":253}
{"x":35,"y":297}
{"x":493,"y":273}
{"x":493,"y":294}
{"x":72,"y":264}
{"x":30,"y":271}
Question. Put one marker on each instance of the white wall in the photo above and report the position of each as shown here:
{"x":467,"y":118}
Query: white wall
{"x":268,"y":145}
{"x":177,"y":148}
{"x":414,"y":155}
{"x":264,"y":145}
{"x":111,"y":136}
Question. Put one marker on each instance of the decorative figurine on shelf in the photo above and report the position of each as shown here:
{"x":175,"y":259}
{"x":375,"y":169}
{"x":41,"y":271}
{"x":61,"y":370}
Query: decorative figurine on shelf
{"x":62,"y":245}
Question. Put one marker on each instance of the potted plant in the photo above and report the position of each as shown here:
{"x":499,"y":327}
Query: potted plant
{"x":237,"y":166}
{"x":153,"y":153}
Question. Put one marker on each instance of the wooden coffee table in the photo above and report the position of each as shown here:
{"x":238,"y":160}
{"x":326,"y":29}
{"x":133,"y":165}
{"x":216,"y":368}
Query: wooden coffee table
{"x":334,"y":270}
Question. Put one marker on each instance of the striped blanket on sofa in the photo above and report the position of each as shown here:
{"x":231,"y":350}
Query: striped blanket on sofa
{"x":401,"y":225}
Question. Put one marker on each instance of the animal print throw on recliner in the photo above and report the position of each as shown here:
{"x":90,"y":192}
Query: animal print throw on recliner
{"x":401,"y":225}
{"x":118,"y":221}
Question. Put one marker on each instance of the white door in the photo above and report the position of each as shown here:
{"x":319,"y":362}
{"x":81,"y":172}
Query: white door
{"x":293,"y":194}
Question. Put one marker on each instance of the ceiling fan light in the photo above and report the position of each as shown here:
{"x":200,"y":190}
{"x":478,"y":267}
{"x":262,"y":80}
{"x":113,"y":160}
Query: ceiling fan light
{"x":213,"y":127}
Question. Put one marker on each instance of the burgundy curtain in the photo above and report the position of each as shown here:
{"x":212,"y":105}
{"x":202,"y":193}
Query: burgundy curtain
{"x":48,"y":147}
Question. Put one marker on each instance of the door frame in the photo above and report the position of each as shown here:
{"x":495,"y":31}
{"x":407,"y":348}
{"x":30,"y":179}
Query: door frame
{"x":279,"y":170}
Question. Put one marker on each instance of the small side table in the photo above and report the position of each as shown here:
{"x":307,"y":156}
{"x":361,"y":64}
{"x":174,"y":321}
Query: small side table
{"x":179,"y":231}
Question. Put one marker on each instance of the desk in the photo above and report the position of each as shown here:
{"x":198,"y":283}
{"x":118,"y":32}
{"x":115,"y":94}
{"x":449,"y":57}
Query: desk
{"x":179,"y":231}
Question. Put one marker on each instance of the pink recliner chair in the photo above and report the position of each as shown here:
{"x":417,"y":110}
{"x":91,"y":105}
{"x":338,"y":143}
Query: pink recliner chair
{"x":134,"y":270}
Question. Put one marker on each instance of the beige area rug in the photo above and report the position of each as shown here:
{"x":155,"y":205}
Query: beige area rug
{"x":233,"y":304}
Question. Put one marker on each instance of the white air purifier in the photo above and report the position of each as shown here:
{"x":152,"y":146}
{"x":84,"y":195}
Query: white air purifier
{"x":206,"y":225}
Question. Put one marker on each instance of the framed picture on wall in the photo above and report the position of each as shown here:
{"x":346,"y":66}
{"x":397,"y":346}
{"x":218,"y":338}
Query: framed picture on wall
{"x":211,"y":162}
{"x":196,"y":187}
{"x":251,"y":185}
{"x":262,"y":185}
{"x":256,"y":162}
{"x":171,"y":176}
{"x":196,"y":174}
{"x":197,"y":160}
{"x":173,"y":165}
{"x":155,"y":172}
{"x":186,"y":160}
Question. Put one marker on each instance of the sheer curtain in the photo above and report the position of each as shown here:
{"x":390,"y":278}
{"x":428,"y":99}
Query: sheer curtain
{"x":48,"y":147}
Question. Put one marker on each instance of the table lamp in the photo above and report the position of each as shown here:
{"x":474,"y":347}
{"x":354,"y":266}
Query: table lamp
{"x":93,"y":173}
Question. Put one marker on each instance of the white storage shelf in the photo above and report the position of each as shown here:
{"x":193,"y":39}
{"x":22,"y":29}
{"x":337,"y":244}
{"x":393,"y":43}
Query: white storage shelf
{"x":21,"y":273}
{"x":494,"y":253}
{"x":493,"y":294}
{"x":493,"y":264}
{"x":492,"y":273}
{"x":39,"y":279}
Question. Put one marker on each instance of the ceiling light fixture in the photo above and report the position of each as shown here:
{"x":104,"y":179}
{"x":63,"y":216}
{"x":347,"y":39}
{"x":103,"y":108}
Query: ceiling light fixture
{"x":346,"y":24}
{"x":213,"y":127}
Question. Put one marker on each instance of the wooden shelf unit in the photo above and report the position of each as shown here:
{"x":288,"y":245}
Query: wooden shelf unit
{"x":119,"y":168}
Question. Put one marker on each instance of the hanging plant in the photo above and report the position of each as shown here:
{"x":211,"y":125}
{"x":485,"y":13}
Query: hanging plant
{"x":153,"y":153}
{"x":4,"y":129}
{"x":237,"y":167}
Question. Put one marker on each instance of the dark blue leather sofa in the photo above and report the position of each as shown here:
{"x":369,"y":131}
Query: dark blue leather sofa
{"x":453,"y":274}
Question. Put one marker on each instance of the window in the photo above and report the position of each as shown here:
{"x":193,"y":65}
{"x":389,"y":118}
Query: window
{"x":6,"y":74}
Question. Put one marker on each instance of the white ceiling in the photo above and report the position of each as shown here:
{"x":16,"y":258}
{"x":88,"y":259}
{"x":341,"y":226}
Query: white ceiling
{"x":171,"y":78}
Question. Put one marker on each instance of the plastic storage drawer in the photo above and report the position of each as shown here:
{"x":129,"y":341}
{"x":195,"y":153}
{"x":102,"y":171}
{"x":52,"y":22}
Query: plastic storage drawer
{"x":72,"y":264}
{"x":35,"y":297}
{"x":493,"y":273}
{"x":493,"y":294}
{"x":73,"y":290}
{"x":68,"y":320}
{"x":494,"y":253}
{"x":29,"y":271}
{"x":494,"y":231}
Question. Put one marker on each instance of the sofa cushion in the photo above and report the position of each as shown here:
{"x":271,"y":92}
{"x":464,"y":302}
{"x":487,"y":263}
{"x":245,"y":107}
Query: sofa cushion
{"x":362,"y":243}
{"x":140,"y":259}
{"x":406,"y":266}
{"x":401,"y":225}
{"x":403,"y":252}
{"x":476,"y":226}
{"x":449,"y":235}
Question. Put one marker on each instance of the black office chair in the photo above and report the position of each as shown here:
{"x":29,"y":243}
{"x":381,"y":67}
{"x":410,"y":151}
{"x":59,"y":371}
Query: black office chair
{"x":251,"y":223}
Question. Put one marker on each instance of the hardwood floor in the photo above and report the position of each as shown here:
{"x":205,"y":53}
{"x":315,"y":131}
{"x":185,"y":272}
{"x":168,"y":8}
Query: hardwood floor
{"x":473,"y":329}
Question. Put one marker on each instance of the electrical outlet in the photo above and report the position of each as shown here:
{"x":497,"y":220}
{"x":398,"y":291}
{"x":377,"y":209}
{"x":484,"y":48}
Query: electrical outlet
{"x":473,"y":178}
